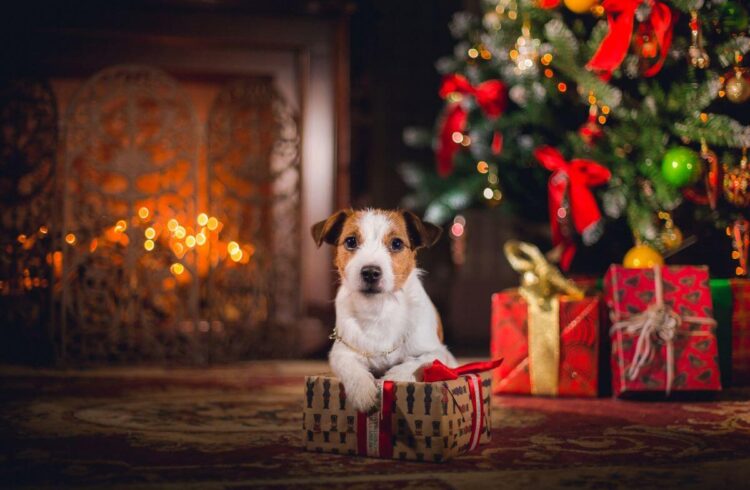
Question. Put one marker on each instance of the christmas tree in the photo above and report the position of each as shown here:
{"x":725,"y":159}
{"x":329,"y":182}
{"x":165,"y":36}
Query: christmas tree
{"x":626,"y":111}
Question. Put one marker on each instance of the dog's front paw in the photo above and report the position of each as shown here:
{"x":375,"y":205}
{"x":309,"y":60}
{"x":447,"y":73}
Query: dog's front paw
{"x":362,"y":394}
{"x":402,"y":372}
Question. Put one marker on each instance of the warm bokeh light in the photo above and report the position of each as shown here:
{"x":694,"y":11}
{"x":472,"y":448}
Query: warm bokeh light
{"x":200,"y":239}
{"x":177,"y":268}
{"x":172,"y":225}
{"x":190,"y":241}
{"x":180,"y":232}
{"x":482,"y":167}
{"x":202,"y":219}
{"x":121,"y":226}
{"x":70,"y":239}
{"x":232,"y":247}
{"x":43,"y":230}
{"x":212,"y":223}
{"x":148,"y":245}
{"x":150,"y":233}
{"x":143,"y":212}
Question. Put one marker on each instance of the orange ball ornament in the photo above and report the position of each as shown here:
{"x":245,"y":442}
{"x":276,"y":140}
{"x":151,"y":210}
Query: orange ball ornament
{"x":642,"y":257}
{"x":580,"y":6}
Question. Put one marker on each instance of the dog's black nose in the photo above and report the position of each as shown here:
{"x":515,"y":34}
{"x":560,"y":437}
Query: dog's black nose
{"x":371,"y":274}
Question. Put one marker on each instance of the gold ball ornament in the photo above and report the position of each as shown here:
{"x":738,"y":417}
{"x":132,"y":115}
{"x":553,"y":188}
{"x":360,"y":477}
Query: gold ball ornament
{"x":642,"y":257}
{"x":671,"y":238}
{"x":580,"y":6}
{"x":737,"y":88}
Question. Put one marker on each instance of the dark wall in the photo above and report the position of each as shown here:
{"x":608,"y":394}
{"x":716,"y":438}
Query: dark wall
{"x":394,"y":46}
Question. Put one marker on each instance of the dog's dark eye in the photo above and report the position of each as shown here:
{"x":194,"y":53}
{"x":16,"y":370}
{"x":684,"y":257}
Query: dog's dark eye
{"x":350,"y":243}
{"x":397,"y":244}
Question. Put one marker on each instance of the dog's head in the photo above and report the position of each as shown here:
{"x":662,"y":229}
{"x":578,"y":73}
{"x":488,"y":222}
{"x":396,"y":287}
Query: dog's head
{"x":375,"y":249}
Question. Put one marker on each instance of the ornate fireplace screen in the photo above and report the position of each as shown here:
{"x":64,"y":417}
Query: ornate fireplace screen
{"x":28,"y":143}
{"x":146,"y":275}
{"x":253,"y":183}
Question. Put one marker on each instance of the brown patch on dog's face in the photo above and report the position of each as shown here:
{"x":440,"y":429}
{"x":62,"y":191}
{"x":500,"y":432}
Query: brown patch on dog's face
{"x":404,"y":258}
{"x":350,"y":229}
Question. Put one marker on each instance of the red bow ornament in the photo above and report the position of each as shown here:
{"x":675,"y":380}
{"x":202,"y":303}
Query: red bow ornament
{"x":621,"y":18}
{"x":570,"y":193}
{"x":490,"y":97}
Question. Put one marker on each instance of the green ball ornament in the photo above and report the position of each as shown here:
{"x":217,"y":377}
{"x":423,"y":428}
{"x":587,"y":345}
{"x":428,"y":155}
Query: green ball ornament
{"x":734,"y":17}
{"x":681,"y":166}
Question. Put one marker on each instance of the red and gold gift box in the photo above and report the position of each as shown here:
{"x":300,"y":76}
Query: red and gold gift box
{"x":423,"y":421}
{"x":573,"y":356}
{"x":547,"y":331}
{"x":663,"y":332}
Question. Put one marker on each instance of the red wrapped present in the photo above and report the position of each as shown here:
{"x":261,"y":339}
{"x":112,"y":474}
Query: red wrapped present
{"x":549,"y":340}
{"x":663,"y":332}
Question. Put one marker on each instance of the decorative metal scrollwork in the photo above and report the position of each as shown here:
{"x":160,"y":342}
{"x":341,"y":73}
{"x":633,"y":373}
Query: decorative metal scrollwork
{"x":254,"y":190}
{"x":129,"y":284}
{"x":28,"y":145}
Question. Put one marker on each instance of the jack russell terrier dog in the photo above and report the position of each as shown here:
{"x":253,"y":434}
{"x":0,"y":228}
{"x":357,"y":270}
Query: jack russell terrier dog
{"x":386,"y":324}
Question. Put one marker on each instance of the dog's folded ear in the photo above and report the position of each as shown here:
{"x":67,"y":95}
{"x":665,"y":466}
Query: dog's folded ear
{"x":421,"y":233}
{"x":329,"y":230}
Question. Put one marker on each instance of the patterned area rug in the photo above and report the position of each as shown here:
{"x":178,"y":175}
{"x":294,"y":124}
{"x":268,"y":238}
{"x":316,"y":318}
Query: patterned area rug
{"x":240,"y":427}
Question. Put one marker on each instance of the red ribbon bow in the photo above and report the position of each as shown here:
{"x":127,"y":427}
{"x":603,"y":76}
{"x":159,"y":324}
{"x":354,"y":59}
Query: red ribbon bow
{"x":621,"y":17}
{"x":490,"y":97}
{"x":576,"y":179}
{"x":440,"y":372}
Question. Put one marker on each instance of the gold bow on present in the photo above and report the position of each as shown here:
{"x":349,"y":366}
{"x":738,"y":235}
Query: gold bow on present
{"x":541,"y":283}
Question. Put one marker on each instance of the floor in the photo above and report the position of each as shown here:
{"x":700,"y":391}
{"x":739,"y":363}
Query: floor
{"x":239,"y":427}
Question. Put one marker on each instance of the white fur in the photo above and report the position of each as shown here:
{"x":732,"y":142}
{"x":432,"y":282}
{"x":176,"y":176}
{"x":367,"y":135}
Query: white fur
{"x":376,"y":323}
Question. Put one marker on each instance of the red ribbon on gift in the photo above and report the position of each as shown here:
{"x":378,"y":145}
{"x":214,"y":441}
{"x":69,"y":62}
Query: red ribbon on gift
{"x":440,"y":372}
{"x":490,"y":97}
{"x":574,"y":178}
{"x":621,"y":17}
{"x":374,"y":430}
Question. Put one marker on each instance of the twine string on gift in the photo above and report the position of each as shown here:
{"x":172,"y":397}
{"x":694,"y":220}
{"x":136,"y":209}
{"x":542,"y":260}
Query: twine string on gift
{"x":658,"y":324}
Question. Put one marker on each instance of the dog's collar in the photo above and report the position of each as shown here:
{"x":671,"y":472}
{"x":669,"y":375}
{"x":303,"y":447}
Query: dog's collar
{"x":336,"y":337}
